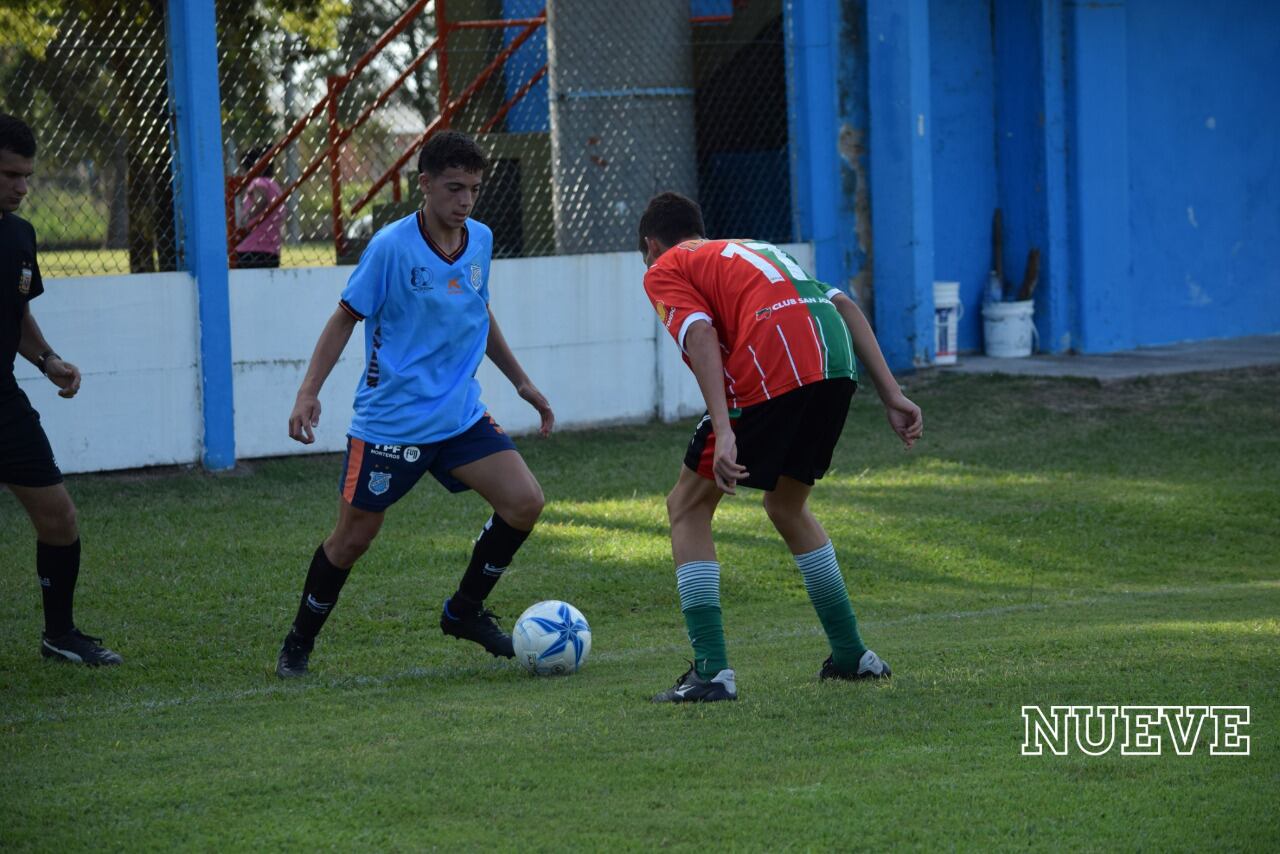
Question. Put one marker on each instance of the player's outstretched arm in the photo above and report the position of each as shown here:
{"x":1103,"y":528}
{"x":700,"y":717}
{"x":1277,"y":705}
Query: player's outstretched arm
{"x":904,"y":416}
{"x":36,"y":350}
{"x":702,"y":346}
{"x":500,"y":354}
{"x":306,"y":408}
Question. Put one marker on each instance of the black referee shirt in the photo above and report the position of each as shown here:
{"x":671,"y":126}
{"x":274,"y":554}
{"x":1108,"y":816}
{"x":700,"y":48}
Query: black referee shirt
{"x":20,"y":283}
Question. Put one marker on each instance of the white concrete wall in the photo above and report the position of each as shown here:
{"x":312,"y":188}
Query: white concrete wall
{"x":580,"y":325}
{"x":276,"y":317}
{"x":136,"y":342}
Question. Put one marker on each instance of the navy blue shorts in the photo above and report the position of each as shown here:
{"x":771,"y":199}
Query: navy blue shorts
{"x":376,"y":476}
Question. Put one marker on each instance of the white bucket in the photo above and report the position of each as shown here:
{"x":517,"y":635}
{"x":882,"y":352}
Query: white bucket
{"x":947,"y":312}
{"x":1007,"y":329}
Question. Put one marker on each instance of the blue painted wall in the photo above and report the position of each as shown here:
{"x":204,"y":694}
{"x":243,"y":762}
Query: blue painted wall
{"x":532,"y":113}
{"x":902,"y":224}
{"x":962,"y":90}
{"x":1204,"y":168}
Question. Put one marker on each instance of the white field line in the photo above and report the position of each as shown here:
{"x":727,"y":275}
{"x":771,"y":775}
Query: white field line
{"x":212,"y":697}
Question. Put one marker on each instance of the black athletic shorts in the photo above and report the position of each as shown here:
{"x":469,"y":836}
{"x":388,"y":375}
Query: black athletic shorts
{"x":25,"y":456}
{"x":793,"y":435}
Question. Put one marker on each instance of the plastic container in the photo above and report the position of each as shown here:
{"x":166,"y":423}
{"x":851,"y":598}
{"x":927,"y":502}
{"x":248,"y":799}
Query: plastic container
{"x":1007,"y":328}
{"x":947,"y":312}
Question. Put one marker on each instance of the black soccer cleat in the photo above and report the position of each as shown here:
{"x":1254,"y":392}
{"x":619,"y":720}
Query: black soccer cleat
{"x":481,"y":627}
{"x":870,"y":666}
{"x":692,"y":688}
{"x":78,"y":647}
{"x":294,"y":654}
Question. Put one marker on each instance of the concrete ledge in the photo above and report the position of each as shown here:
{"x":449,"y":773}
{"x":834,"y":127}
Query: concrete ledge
{"x":1191,"y":357}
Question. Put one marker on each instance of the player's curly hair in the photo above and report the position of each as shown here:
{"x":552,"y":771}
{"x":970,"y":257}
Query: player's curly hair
{"x":670,"y":218}
{"x":451,"y":149}
{"x":16,"y":136}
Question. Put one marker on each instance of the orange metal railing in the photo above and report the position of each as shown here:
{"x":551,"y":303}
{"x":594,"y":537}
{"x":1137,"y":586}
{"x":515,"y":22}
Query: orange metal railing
{"x":338,"y":134}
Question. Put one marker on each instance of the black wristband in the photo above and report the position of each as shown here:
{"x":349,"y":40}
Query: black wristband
{"x":44,"y":358}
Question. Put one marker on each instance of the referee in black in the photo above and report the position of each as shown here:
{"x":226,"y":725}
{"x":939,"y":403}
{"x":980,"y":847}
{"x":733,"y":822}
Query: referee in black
{"x":27,"y":466}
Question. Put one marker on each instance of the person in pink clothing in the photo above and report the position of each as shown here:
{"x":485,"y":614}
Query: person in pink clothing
{"x":262,"y":247}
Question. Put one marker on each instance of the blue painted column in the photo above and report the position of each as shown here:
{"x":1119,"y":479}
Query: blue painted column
{"x":202,"y":229}
{"x":1054,"y":306}
{"x":811,"y":31}
{"x":901,"y":179}
{"x":1098,"y":174}
{"x":1031,"y":157}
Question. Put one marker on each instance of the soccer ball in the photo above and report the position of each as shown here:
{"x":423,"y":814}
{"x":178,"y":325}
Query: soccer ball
{"x":551,"y":638}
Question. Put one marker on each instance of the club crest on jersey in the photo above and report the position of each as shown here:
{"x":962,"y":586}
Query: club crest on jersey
{"x":477,"y":276}
{"x":379,"y":482}
{"x":420,"y":279}
{"x":24,"y":280}
{"x":762,"y":313}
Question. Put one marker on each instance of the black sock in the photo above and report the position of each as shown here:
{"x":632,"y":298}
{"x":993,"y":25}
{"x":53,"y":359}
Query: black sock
{"x":495,"y":547}
{"x":58,"y":567}
{"x":319,"y":594}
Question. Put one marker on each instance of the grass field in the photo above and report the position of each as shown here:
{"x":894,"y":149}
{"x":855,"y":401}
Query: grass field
{"x":1050,"y":542}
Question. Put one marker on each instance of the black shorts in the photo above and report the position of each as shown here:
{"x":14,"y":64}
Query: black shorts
{"x":26,"y":459}
{"x":792,"y":435}
{"x":376,"y":476}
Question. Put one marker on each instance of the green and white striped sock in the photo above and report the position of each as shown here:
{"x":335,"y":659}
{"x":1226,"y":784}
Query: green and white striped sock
{"x":699,"y":585}
{"x":830,"y":598}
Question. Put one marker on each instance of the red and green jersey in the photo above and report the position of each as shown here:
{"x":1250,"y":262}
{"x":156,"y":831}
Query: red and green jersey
{"x":777,"y":326}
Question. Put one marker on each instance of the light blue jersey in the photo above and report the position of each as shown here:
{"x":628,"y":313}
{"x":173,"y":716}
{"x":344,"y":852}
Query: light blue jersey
{"x":426,"y":321}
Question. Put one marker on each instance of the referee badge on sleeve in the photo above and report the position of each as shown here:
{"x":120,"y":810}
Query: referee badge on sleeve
{"x":24,"y":280}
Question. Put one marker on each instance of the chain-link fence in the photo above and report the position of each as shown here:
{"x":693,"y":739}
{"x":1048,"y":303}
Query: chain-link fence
{"x":586,"y":109}
{"x":89,"y":77}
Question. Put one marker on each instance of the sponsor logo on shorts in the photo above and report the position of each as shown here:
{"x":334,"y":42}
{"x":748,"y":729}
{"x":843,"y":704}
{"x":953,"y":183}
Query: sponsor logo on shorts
{"x":390,"y":452}
{"x":477,"y":276}
{"x":379,"y":482}
{"x":411,"y":454}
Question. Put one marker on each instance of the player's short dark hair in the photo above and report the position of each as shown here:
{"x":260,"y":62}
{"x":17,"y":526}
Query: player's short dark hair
{"x":16,"y":136}
{"x":253,"y":155}
{"x":670,"y":218}
{"x":448,"y":150}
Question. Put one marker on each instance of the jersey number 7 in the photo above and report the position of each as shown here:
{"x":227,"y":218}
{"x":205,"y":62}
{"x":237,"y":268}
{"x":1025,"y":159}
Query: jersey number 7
{"x":766,"y":258}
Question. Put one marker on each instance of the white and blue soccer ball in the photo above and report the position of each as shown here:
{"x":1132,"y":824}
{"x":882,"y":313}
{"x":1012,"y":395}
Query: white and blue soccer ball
{"x":551,"y":638}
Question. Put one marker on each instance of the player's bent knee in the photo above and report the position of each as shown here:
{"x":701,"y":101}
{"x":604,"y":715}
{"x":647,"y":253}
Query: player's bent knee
{"x":524,"y":510}
{"x":344,"y":547}
{"x":344,"y":553}
{"x":776,"y":510}
{"x":682,"y":507}
{"x":58,"y":525}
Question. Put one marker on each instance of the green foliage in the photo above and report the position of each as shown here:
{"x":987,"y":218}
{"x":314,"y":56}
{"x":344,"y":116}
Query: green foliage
{"x":1050,"y":541}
